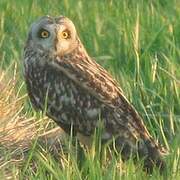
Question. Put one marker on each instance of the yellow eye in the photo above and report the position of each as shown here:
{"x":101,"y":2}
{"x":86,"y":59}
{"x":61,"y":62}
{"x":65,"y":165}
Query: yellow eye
{"x":44,"y":34}
{"x":65,"y":34}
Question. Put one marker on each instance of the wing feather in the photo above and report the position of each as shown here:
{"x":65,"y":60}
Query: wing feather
{"x":97,"y":82}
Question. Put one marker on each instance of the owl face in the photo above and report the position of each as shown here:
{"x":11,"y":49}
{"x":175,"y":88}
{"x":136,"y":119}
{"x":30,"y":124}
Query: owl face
{"x":53,"y":35}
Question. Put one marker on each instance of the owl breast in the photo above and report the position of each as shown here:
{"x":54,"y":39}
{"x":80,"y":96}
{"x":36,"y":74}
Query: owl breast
{"x":66,"y":103}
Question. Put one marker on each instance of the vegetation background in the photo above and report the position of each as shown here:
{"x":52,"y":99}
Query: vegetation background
{"x":138,"y":42}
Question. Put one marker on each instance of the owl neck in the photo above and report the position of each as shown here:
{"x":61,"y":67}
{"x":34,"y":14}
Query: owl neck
{"x":79,"y":52}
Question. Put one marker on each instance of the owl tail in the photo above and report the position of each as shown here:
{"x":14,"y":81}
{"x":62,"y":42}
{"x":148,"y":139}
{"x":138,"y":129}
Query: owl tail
{"x":145,"y":149}
{"x":152,"y":155}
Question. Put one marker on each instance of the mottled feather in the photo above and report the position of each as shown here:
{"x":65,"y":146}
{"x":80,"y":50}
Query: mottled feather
{"x":77,"y":92}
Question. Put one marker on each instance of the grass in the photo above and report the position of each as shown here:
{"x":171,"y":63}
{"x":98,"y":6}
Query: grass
{"x":138,"y":42}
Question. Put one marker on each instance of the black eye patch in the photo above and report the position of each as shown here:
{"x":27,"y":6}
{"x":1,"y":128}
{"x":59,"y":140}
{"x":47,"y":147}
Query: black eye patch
{"x":43,"y":33}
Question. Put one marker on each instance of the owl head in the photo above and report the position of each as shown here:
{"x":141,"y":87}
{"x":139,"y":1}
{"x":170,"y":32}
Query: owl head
{"x":53,"y":35}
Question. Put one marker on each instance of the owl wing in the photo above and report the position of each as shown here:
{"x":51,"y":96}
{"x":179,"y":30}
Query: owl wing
{"x":91,"y":77}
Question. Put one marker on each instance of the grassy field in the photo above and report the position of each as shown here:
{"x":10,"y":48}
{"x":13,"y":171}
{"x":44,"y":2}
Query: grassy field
{"x":138,"y":42}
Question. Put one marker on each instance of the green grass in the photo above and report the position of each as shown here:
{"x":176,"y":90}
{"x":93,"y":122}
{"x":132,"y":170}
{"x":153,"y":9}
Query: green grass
{"x":138,"y":42}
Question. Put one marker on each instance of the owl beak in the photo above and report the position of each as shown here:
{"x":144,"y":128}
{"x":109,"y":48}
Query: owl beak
{"x":57,"y":45}
{"x":58,"y":37}
{"x":56,"y":40}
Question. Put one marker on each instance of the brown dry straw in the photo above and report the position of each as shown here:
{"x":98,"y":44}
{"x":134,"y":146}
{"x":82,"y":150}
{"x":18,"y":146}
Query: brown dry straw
{"x":17,"y":130}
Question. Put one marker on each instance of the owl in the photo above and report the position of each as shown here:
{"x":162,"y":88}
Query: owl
{"x":79,"y":95}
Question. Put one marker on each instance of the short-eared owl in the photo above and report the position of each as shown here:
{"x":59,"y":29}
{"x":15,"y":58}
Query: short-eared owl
{"x":78,"y":92}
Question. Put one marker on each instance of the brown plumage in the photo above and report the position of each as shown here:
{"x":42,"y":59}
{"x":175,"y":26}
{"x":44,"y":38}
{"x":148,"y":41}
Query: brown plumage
{"x":77,"y":92}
